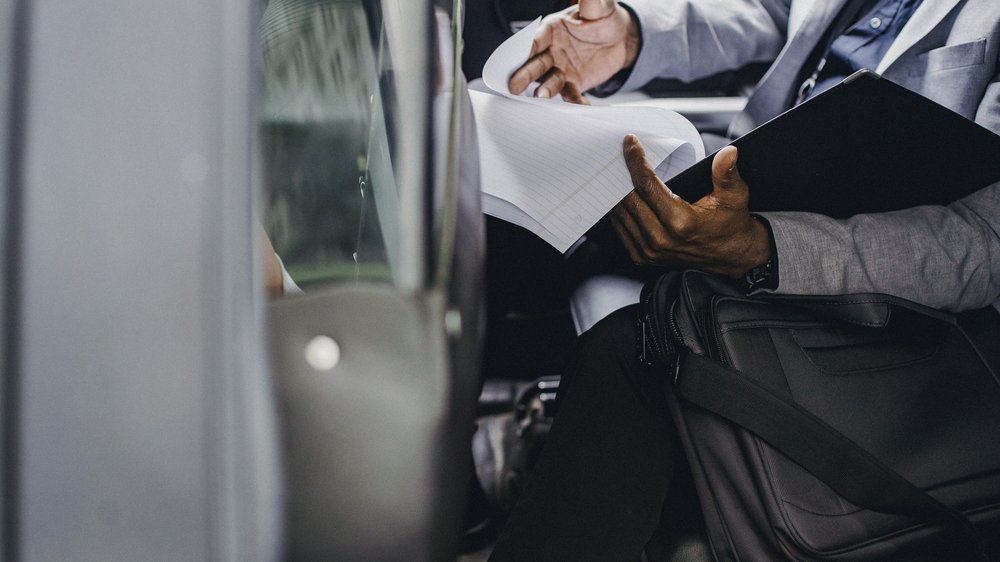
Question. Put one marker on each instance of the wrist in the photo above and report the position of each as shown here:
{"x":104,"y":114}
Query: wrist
{"x":762,"y":272}
{"x":633,"y":35}
{"x":630,"y":46}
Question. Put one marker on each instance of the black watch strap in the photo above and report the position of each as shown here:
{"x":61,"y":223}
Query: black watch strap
{"x":765,"y":275}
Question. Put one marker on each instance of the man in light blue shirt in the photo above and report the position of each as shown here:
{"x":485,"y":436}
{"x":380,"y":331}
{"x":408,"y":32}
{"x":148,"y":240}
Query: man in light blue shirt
{"x":945,"y":50}
{"x":603,"y":478}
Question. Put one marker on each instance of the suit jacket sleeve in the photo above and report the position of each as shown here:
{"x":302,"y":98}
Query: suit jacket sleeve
{"x":945,"y":257}
{"x":690,"y":39}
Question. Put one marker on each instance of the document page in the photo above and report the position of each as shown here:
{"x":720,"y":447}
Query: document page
{"x":556,"y":168}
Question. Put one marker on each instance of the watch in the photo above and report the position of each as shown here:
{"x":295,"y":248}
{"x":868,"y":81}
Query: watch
{"x":765,"y":275}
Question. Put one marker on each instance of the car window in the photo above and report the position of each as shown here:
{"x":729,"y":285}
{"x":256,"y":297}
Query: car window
{"x":6,"y":76}
{"x":6,"y":16}
{"x":331,"y":193}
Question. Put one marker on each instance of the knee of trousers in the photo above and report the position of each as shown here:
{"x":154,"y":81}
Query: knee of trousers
{"x":607,"y":353}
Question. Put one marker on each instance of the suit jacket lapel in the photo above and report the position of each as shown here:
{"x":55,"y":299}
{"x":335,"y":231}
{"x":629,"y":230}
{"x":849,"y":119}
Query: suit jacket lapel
{"x":797,"y":14}
{"x":928,"y":15}
{"x":772,"y":95}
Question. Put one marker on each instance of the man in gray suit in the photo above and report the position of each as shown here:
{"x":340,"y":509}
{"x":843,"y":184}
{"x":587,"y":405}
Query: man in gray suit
{"x":602,"y":481}
{"x":946,"y":50}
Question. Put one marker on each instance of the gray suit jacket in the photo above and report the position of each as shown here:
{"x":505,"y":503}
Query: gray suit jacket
{"x":942,"y":256}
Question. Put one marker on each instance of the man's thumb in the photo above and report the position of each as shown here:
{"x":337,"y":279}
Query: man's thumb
{"x":596,"y":9}
{"x":726,"y":180}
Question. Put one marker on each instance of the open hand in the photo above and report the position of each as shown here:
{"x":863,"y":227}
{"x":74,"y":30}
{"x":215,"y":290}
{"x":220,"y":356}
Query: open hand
{"x":584,"y":45}
{"x":715,"y":234}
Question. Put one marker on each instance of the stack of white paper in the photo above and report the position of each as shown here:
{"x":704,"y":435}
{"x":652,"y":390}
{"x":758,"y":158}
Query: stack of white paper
{"x":556,"y":168}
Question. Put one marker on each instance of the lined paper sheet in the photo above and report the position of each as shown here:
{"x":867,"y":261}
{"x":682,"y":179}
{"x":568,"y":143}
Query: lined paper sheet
{"x":557,"y":168}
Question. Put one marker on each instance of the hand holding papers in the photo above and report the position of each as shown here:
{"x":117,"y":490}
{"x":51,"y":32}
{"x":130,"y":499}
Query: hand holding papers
{"x":556,"y":168}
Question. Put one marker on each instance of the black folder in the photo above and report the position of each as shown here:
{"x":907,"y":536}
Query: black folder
{"x":865,"y":145}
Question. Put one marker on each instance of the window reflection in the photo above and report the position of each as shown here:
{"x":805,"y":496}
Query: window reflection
{"x":332,"y":202}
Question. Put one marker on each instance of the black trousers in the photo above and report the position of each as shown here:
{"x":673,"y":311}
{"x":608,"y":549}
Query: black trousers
{"x":601,"y":483}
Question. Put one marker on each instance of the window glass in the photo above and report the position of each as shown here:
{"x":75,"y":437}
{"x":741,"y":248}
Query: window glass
{"x":332,"y":203}
{"x":6,"y":73}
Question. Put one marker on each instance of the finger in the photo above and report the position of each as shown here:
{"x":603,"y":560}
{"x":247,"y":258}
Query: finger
{"x":551,"y":84}
{"x":647,"y":185}
{"x":596,"y":9}
{"x":646,"y":228}
{"x":628,"y":233}
{"x":572,"y":94}
{"x":530,"y":71}
{"x":728,"y":187}
{"x":634,"y":254}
